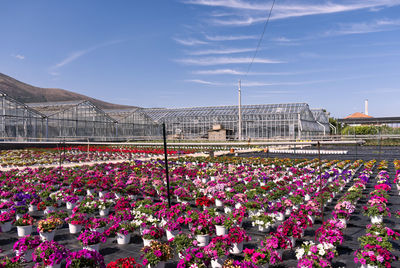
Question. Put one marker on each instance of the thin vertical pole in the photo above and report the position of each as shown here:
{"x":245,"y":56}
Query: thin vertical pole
{"x":166,"y":164}
{"x":240,"y":112}
{"x":320,"y":181}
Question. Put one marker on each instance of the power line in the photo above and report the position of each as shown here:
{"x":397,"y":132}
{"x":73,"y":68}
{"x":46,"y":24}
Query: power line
{"x":261,"y":38}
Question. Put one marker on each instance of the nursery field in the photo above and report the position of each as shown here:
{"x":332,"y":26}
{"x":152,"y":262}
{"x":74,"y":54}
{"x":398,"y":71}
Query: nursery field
{"x":225,"y":212}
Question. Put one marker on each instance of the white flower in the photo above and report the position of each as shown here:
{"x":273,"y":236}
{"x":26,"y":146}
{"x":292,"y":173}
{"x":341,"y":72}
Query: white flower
{"x":299,"y":253}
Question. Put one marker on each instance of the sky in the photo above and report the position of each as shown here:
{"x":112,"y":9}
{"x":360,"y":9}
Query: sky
{"x":188,"y":53}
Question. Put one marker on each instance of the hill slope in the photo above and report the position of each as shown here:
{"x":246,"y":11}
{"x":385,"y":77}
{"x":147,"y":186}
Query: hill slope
{"x":28,"y":94}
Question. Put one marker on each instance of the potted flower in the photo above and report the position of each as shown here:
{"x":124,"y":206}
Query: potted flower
{"x":202,"y":229}
{"x":97,"y":224}
{"x":6,"y":219}
{"x":91,"y":240}
{"x":181,"y":242}
{"x":194,"y":257}
{"x":219,"y":222}
{"x":24,"y":225}
{"x":104,"y":205}
{"x":71,"y":201}
{"x":237,"y":235}
{"x":75,"y":222}
{"x":156,"y":254}
{"x":46,"y":228}
{"x":50,"y":253}
{"x":173,"y":227}
{"x":14,"y":262}
{"x":218,"y":250}
{"x":124,"y":231}
{"x":24,"y":246}
{"x":128,"y":262}
{"x":85,"y":258}
{"x":376,"y":209}
{"x":151,"y":234}
{"x":323,"y":252}
{"x":262,"y":256}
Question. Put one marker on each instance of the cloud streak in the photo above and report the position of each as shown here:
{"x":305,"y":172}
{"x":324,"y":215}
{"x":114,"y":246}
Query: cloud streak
{"x":19,"y":56}
{"x":225,"y":60}
{"x":366,"y":27}
{"x":221,"y":51}
{"x":78,"y":54}
{"x":190,"y":42}
{"x":230,"y":37}
{"x":255,"y":12}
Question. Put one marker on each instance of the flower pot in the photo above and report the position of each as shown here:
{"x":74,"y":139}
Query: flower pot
{"x":279,"y":216}
{"x":237,"y":248}
{"x":100,"y":230}
{"x":227,"y":210}
{"x":49,"y":209}
{"x":95,"y":247}
{"x":18,"y":216}
{"x":343,"y":221}
{"x":27,"y":255}
{"x":70,"y":205}
{"x":24,"y":230}
{"x":218,"y":263}
{"x":292,"y":241}
{"x":161,"y":264}
{"x":74,"y":228}
{"x":368,"y":266}
{"x":57,"y":265}
{"x":376,"y":219}
{"x":104,"y":212}
{"x":89,"y":191}
{"x":220,"y":230}
{"x":307,"y":197}
{"x":262,"y":228}
{"x":203,"y":240}
{"x":47,"y":236}
{"x":32,"y":208}
{"x":238,"y":205}
{"x":5,"y":227}
{"x":147,"y":242}
{"x":171,"y":234}
{"x":102,"y":193}
{"x":123,"y":239}
{"x":312,"y":218}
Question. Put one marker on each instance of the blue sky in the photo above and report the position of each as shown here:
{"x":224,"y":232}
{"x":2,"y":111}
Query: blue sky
{"x":181,"y":53}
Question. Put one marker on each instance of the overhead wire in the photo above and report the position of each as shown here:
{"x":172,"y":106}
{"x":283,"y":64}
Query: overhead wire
{"x":261,"y":38}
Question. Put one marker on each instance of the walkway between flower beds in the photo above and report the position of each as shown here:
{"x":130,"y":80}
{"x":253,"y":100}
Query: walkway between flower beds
{"x":66,"y":165}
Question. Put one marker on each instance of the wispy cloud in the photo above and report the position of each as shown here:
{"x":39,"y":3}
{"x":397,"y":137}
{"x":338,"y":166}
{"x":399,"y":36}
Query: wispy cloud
{"x":236,"y":72}
{"x":282,"y":39}
{"x":19,"y":56}
{"x":77,"y":54}
{"x":203,"y":82}
{"x":190,"y":42}
{"x":224,"y":60}
{"x":230,"y":37}
{"x":256,"y":83}
{"x":255,"y":12}
{"x":366,"y":27}
{"x":221,"y":51}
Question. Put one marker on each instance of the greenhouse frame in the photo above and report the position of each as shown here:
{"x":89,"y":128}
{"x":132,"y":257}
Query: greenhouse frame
{"x":18,"y":121}
{"x":77,"y":119}
{"x":82,"y":120}
{"x":135,"y":124}
{"x":259,"y":122}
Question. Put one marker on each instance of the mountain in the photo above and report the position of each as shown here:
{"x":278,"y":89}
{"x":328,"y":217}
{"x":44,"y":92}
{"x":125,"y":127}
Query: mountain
{"x":27,"y":94}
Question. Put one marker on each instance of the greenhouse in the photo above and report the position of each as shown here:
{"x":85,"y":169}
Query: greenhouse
{"x":266,"y":121}
{"x":76,"y":119}
{"x":18,"y":121}
{"x":135,"y":124}
{"x":322,"y":118}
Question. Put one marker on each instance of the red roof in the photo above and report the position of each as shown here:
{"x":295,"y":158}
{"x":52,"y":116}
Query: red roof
{"x":358,"y":115}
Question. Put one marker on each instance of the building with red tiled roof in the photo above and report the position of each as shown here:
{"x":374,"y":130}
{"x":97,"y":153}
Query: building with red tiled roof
{"x":358,"y":115}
